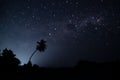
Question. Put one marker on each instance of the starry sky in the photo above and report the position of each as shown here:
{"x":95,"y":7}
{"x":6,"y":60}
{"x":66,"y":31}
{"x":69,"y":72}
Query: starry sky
{"x":74,"y":30}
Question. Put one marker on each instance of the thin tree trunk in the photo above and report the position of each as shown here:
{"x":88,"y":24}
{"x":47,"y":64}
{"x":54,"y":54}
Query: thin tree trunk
{"x":32,"y":55}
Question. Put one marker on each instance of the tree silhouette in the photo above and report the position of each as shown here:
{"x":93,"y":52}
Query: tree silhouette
{"x":40,"y":47}
{"x":8,"y":59}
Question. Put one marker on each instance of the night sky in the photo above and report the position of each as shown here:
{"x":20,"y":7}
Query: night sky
{"x":74,"y":30}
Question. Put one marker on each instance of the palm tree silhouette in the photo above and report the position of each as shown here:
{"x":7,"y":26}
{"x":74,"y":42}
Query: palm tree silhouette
{"x":40,"y":47}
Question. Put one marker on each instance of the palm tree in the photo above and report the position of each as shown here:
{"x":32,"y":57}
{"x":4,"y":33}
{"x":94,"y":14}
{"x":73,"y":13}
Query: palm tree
{"x":40,"y":47}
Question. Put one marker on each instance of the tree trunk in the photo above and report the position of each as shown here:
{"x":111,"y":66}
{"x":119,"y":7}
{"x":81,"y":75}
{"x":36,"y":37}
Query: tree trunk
{"x":32,"y":55}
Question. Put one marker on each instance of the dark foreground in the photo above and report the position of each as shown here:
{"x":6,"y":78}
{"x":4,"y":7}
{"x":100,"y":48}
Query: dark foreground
{"x":83,"y":71}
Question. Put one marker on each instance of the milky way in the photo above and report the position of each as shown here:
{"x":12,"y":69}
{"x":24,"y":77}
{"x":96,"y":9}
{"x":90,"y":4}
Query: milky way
{"x":74,"y":30}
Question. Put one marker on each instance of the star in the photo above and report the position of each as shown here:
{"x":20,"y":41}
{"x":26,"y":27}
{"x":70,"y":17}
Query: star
{"x":49,"y":34}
